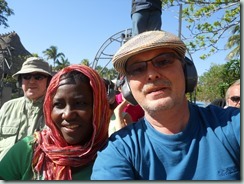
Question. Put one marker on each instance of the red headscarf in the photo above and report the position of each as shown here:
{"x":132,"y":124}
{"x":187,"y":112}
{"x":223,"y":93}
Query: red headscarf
{"x":53,"y":157}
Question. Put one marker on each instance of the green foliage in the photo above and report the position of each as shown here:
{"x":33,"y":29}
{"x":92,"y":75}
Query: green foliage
{"x":210,"y":85}
{"x":52,"y":53}
{"x":234,"y":42}
{"x":206,"y":32}
{"x":35,"y":55}
{"x":214,"y":83}
{"x":106,"y":73}
{"x":86,"y":62}
{"x":232,"y":71}
{"x":9,"y":81}
{"x":5,"y":12}
{"x":64,"y":62}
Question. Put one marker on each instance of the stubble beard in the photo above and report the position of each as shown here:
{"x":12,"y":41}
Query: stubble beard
{"x":158,"y":106}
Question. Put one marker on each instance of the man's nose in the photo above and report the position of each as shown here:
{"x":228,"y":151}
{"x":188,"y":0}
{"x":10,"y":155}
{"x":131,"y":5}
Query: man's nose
{"x":152,"y":71}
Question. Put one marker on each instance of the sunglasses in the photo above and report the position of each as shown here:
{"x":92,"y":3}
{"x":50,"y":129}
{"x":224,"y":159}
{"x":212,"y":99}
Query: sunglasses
{"x":140,"y":67}
{"x":235,"y":98}
{"x":35,"y":76}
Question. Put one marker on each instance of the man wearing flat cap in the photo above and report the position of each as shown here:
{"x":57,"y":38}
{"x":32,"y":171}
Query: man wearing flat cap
{"x":176,"y":139}
{"x":22,"y":116}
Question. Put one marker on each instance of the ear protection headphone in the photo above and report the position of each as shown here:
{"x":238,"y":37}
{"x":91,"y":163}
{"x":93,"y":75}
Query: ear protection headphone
{"x":110,"y":91}
{"x":126,"y":92}
{"x":119,"y":82}
{"x":191,"y":77}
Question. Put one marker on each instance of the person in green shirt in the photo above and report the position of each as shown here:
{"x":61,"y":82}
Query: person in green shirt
{"x":76,"y":112}
{"x":22,"y":116}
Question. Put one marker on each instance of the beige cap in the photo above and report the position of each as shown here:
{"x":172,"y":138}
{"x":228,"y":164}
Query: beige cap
{"x":34,"y":64}
{"x":146,"y":41}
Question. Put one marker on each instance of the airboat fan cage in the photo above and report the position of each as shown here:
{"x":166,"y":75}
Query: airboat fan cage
{"x":106,"y":52}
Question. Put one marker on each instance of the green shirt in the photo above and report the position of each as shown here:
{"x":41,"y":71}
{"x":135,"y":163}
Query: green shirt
{"x":16,"y":165}
{"x":19,"y":118}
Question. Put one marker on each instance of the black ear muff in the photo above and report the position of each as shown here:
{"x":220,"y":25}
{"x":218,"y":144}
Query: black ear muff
{"x":126,"y":92}
{"x":111,"y":93}
{"x":111,"y":96}
{"x":191,"y":76}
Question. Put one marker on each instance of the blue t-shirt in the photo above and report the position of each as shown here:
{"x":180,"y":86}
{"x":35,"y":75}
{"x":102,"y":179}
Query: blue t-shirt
{"x":207,"y":149}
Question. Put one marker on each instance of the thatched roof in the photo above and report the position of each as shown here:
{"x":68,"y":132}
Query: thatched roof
{"x":12,"y":52}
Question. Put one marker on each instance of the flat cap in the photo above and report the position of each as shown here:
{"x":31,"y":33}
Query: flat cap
{"x":146,"y":41}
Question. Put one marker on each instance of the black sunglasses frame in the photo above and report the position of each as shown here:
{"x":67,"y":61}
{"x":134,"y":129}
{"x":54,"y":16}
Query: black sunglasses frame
{"x":235,"y":98}
{"x":35,"y":76}
{"x":167,"y":58}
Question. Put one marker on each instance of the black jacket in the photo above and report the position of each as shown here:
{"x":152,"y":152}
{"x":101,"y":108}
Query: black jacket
{"x":138,"y":5}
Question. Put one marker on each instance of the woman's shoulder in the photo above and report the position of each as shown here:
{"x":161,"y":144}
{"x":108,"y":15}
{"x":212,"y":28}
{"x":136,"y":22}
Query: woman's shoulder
{"x":24,"y":144}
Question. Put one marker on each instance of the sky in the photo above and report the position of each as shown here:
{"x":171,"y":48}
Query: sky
{"x":79,"y":28}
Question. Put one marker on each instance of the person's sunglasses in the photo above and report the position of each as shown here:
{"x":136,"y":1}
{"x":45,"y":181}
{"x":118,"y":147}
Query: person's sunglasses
{"x":235,"y":98}
{"x":161,"y":61}
{"x":35,"y":76}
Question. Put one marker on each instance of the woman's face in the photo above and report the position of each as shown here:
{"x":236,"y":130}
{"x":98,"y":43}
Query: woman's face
{"x":73,"y":111}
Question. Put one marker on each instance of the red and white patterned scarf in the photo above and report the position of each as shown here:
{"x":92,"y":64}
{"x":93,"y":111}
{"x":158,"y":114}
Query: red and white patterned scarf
{"x":53,"y":157}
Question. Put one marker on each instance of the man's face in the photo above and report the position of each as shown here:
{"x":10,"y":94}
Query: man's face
{"x":159,"y":86}
{"x":34,"y":85}
{"x":234,"y":96}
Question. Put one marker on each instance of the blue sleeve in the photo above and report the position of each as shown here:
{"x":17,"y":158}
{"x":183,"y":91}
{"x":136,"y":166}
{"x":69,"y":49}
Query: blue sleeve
{"x":237,"y":127}
{"x":231,"y":129}
{"x":111,"y":164}
{"x":226,"y":125}
{"x":233,"y":135}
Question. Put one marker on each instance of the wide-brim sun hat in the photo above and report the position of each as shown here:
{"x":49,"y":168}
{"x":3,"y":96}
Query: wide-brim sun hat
{"x":146,"y":41}
{"x":34,"y":64}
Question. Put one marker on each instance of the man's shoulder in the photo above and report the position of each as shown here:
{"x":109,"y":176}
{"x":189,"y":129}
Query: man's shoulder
{"x":230,"y":111}
{"x":131,"y":131}
{"x":13,"y":102}
{"x":215,"y":115}
{"x":214,"y":109}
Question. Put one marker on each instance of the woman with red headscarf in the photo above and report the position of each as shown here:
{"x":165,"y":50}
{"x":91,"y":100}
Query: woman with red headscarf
{"x":77,"y":117}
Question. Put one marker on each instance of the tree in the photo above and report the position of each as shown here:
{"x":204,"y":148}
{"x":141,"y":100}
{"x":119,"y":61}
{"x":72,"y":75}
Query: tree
{"x":204,"y":32}
{"x":214,"y":83}
{"x":5,"y":12}
{"x":35,"y":55}
{"x":210,"y":84}
{"x":52,"y":53}
{"x":106,"y":73}
{"x":232,"y":71}
{"x":85,"y":62}
{"x":234,"y":41}
{"x":103,"y":71}
{"x":62,"y":63}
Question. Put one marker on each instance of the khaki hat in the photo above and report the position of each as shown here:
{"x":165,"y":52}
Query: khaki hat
{"x":34,"y":64}
{"x":146,"y":41}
